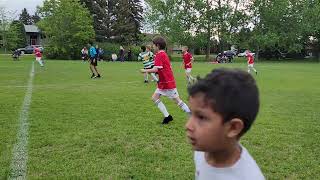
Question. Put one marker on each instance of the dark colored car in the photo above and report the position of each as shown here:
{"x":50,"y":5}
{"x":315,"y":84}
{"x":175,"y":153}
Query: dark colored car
{"x":30,"y":49}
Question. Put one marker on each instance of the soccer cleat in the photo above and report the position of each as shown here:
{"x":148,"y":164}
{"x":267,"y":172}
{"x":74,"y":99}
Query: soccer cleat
{"x":92,"y":75}
{"x":166,"y":120}
{"x":145,"y":81}
{"x":256,"y":72}
{"x":98,"y":76}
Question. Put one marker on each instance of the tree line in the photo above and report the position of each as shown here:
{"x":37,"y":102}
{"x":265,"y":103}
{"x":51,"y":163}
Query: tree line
{"x":282,"y":26}
{"x":261,"y":25}
{"x":69,"y":24}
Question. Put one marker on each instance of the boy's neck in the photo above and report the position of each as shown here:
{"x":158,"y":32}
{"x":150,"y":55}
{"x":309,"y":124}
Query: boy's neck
{"x":225,"y":158}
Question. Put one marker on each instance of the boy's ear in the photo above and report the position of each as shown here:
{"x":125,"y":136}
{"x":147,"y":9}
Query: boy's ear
{"x":234,"y":127}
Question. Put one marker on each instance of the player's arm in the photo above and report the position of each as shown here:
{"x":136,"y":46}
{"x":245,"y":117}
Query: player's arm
{"x":157,"y":65}
{"x":153,"y":70}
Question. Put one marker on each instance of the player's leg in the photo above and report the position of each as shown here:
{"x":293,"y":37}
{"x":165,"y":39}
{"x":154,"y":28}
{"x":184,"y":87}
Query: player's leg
{"x":95,"y":68}
{"x":38,"y":59}
{"x":154,"y":77}
{"x":254,"y":69}
{"x":182,"y":105}
{"x":161,"y":107}
{"x":145,"y":77}
{"x":249,"y":66}
{"x":190,"y":79}
{"x":92,"y":70}
{"x":94,"y":73}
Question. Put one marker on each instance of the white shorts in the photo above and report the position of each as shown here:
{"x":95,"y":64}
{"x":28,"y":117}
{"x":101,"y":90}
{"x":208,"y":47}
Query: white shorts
{"x":38,"y":58}
{"x":188,"y":70}
{"x":170,"y":93}
{"x":250,"y":65}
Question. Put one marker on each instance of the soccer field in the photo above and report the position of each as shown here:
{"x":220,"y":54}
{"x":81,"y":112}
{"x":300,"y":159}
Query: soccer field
{"x":109,"y":128}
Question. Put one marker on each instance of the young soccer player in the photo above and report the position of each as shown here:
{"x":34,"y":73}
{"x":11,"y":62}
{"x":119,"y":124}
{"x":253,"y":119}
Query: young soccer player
{"x":166,"y":84}
{"x":38,"y":56}
{"x":93,"y":62}
{"x":224,"y":105}
{"x":250,"y":60}
{"x":187,"y":63}
{"x":146,"y":56}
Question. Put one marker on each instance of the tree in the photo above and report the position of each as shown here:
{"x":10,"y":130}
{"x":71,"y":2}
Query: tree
{"x":277,"y":28}
{"x":35,"y":18}
{"x":116,"y":20}
{"x":68,"y":27}
{"x":128,"y":18}
{"x":102,"y":12}
{"x":186,"y":21}
{"x":18,"y":28}
{"x":8,"y":31}
{"x":311,"y":26}
{"x":25,"y":17}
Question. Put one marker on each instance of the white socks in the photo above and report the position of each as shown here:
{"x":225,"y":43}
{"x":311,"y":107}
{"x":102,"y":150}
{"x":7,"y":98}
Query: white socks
{"x":40,"y":62}
{"x":164,"y":111}
{"x":162,"y":107}
{"x":184,"y":107}
{"x":252,"y":69}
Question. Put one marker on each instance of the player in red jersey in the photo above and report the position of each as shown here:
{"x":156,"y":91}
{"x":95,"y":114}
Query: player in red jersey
{"x":38,"y":56}
{"x":167,"y":83}
{"x":250,"y":60}
{"x":187,"y":64}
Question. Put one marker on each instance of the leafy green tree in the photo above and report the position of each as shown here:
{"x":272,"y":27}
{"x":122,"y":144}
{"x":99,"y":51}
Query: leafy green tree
{"x":67,"y":25}
{"x":8,"y":30}
{"x":185,"y":21}
{"x":311,"y":26}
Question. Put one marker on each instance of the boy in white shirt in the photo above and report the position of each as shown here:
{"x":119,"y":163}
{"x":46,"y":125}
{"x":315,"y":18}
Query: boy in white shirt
{"x":223,"y":105}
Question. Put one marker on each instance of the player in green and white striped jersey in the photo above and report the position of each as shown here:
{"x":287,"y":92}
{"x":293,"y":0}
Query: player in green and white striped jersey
{"x":146,"y":56}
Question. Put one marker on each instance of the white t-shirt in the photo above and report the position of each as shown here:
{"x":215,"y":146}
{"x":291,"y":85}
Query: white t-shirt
{"x":245,"y":168}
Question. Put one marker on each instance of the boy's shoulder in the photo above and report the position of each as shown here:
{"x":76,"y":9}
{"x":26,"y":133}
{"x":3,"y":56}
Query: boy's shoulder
{"x":244,"y":168}
{"x":162,"y":54}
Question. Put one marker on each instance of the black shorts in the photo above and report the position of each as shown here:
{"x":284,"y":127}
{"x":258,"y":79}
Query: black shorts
{"x":93,"y":61}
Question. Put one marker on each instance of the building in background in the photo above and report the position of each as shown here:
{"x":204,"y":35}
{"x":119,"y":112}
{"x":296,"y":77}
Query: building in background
{"x":33,"y":35}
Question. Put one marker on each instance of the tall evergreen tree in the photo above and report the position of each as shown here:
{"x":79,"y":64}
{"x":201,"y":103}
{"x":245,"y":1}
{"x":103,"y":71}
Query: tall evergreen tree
{"x":128,"y":19}
{"x":35,"y":18}
{"x":120,"y":19}
{"x":102,"y":12}
{"x":25,"y":17}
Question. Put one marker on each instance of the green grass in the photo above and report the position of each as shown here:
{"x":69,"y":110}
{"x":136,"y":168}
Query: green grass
{"x":110,"y":129}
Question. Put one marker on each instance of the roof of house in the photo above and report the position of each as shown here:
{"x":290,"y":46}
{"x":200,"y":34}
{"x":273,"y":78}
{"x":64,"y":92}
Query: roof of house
{"x":31,"y":29}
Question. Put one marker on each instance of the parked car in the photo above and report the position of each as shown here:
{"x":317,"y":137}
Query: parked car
{"x":30,"y":49}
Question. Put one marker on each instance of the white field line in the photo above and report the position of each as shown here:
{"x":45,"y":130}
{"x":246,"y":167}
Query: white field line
{"x":18,"y":167}
{"x":69,"y":85}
